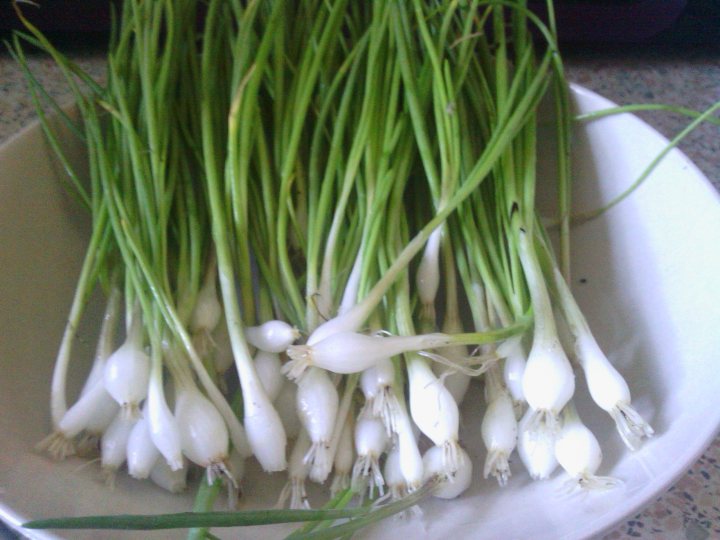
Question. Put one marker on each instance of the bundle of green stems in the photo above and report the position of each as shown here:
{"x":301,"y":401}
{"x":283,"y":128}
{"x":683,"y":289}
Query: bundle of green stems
{"x":317,"y":220}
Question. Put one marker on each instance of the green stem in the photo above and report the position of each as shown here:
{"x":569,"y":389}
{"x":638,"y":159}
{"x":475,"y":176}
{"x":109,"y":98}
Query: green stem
{"x":499,"y":141}
{"x":372,"y":516}
{"x":184,"y":520}
{"x":340,"y":501}
{"x":587,"y":216}
{"x":204,"y":501}
{"x":641,"y":107}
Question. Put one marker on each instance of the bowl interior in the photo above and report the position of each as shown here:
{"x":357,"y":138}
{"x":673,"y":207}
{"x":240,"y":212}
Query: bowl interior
{"x":645,"y":274}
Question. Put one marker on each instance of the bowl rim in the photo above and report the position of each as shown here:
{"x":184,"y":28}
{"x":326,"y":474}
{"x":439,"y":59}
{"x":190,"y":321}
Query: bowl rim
{"x":641,"y":500}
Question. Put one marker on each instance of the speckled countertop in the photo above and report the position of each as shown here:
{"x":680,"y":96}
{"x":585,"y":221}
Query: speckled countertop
{"x":691,"y":508}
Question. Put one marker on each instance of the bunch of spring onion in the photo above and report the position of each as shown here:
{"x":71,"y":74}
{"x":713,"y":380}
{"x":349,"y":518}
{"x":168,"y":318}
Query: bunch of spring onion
{"x":317,"y":222}
{"x":159,"y":272}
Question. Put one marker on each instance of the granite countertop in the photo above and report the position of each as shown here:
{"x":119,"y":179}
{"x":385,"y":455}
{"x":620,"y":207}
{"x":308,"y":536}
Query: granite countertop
{"x":691,"y":508}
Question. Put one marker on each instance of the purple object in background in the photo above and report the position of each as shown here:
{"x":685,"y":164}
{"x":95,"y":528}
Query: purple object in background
{"x":82,"y":16}
{"x":579,"y":21}
{"x":615,"y":21}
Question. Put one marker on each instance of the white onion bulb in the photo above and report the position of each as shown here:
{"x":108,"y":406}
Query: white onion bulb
{"x":548,"y":381}
{"x":297,"y":474}
{"x":536,"y":448}
{"x":381,"y":402}
{"x":427,"y":278}
{"x":162,"y":425}
{"x":393,"y":474}
{"x":272,"y":336}
{"x":513,"y":366}
{"x":207,"y":311}
{"x":607,"y":387}
{"x":267,"y":365}
{"x":83,"y":412}
{"x":579,"y":453}
{"x":449,"y":486}
{"x":499,"y":433}
{"x":141,"y":452}
{"x":411,"y":460}
{"x":203,"y":434}
{"x":434,"y":411}
{"x":172,"y":481}
{"x":370,"y":442}
{"x":317,"y":407}
{"x":127,"y":371}
{"x":113,"y":445}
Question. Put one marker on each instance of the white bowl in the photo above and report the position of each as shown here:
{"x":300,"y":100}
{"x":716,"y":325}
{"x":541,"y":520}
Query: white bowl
{"x":645,"y":273}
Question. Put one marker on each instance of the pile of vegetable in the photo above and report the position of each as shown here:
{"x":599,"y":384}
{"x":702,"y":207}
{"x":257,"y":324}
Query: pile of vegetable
{"x":314,"y":225}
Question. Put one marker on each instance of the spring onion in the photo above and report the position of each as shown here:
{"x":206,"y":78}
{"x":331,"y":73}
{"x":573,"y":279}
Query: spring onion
{"x":141,"y":451}
{"x":370,"y":442}
{"x":315,"y":194}
{"x":578,"y":452}
{"x":498,"y":428}
{"x":317,"y":407}
{"x":298,"y":470}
